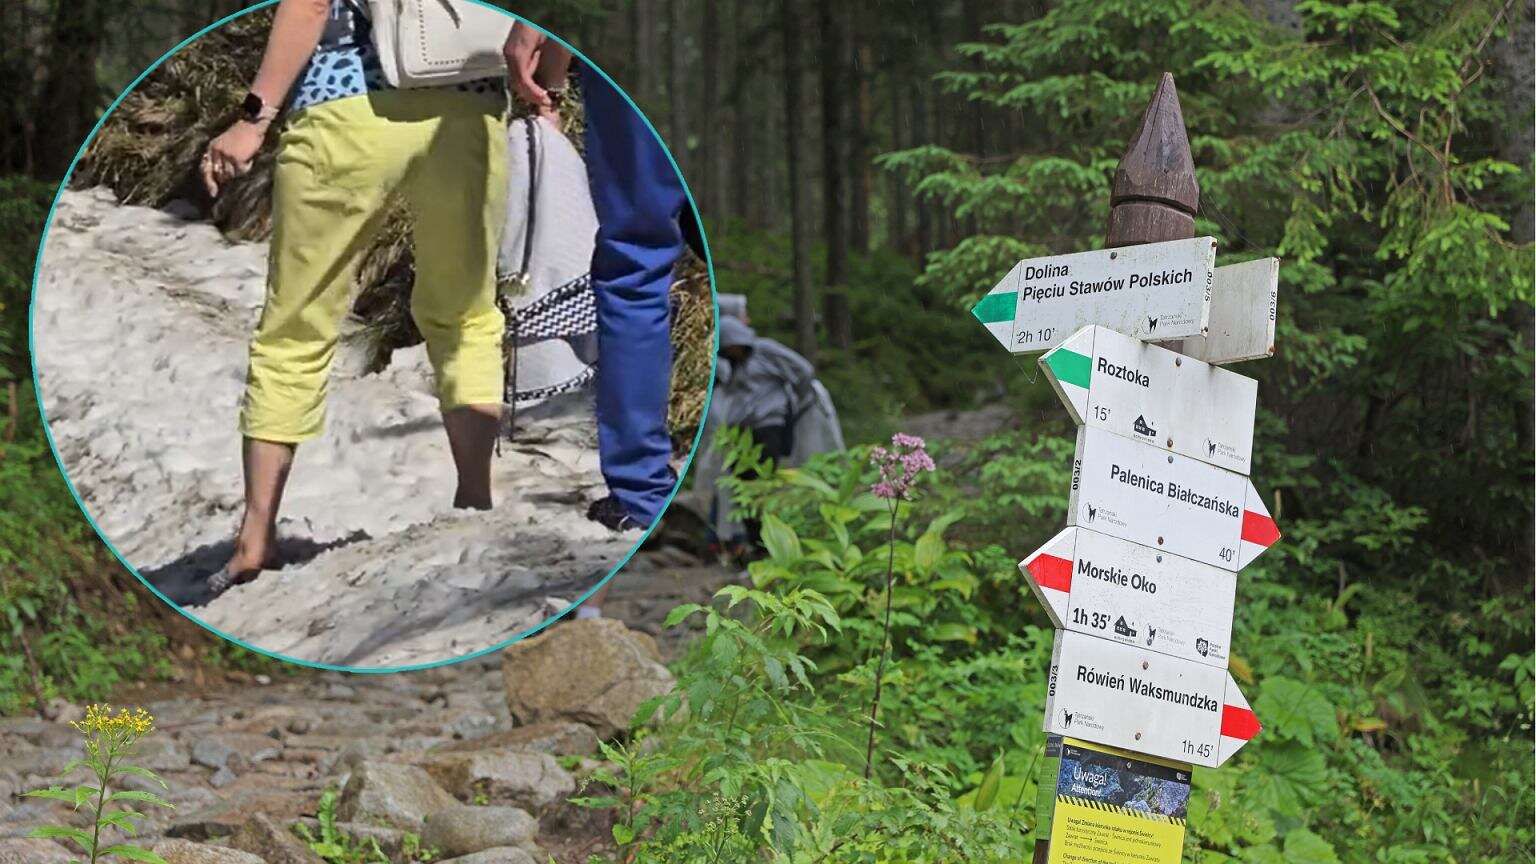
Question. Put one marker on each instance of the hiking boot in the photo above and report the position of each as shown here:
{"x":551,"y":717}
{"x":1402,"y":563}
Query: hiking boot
{"x":612,"y":515}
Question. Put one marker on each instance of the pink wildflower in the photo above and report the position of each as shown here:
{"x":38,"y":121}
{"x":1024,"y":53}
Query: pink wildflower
{"x":899,"y":466}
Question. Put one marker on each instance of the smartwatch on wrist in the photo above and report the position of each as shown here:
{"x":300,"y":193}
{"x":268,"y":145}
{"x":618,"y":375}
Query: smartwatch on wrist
{"x":256,"y":110}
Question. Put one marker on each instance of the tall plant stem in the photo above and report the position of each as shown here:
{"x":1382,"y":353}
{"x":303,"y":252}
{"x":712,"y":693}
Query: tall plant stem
{"x":101,"y":801}
{"x":885,"y":640}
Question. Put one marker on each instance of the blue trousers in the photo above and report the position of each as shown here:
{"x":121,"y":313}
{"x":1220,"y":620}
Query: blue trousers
{"x":638,"y":197}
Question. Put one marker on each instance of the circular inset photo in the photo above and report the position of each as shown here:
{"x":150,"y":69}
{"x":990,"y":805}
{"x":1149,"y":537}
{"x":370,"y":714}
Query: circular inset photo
{"x":373,"y":336}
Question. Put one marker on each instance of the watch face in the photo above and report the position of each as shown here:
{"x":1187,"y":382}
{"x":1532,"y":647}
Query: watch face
{"x":252,"y":106}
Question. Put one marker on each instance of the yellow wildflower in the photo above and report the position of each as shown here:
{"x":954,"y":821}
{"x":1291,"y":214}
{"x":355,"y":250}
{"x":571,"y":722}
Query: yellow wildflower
{"x":99,"y":719}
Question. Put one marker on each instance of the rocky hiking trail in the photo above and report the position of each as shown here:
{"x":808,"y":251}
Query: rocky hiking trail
{"x":140,"y":327}
{"x":471,"y":763}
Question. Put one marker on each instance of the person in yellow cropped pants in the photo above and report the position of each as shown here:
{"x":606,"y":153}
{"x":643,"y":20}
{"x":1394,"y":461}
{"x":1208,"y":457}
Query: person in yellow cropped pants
{"x":350,"y":144}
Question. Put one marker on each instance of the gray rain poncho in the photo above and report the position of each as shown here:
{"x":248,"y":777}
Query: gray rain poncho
{"x":773,"y":386}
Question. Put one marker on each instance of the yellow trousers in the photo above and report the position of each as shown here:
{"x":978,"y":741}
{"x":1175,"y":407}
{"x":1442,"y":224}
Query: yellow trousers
{"x":337,"y":165}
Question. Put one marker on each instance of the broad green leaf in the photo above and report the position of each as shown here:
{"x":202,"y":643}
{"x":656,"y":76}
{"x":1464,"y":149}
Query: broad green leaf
{"x":132,"y":853}
{"x":952,"y":632}
{"x":140,"y":772}
{"x":1287,"y":776}
{"x":622,"y":834}
{"x":780,"y":539}
{"x":1304,"y":847}
{"x":986,"y":793}
{"x":61,"y":832}
{"x":123,"y":820}
{"x":752,"y":820}
{"x":929,"y":549}
{"x":1293,"y":709}
{"x":799,"y":477}
{"x":135,"y":795}
{"x":72,"y":797}
{"x":679,"y":614}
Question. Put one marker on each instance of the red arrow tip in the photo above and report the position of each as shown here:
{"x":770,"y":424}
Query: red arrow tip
{"x":1260,"y":529}
{"x":1049,"y":571}
{"x":1239,"y":722}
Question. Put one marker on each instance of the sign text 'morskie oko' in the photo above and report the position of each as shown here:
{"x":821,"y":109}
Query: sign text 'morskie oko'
{"x":1125,"y":592}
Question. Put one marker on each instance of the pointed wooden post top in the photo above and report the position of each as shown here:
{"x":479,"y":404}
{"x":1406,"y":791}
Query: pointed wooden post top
{"x":1155,"y":195}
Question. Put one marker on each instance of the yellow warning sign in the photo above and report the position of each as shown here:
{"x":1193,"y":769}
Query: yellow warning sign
{"x":1091,"y":832}
{"x":1110,"y":806}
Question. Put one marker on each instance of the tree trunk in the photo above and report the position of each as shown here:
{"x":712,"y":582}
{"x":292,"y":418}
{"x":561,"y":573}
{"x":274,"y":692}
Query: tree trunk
{"x":901,"y":137}
{"x":834,"y":53}
{"x":643,"y":58}
{"x":858,"y":142}
{"x":677,"y":93}
{"x":70,"y":96}
{"x":743,"y":129}
{"x":712,"y":154}
{"x":923,"y":134}
{"x":17,"y":105}
{"x":799,"y":200}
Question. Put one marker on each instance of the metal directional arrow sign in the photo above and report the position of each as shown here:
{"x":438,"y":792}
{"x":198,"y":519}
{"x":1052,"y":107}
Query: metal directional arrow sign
{"x":1141,"y":700}
{"x":1096,"y":584}
{"x":1168,"y":502}
{"x":1156,"y":396}
{"x":1152,"y":291}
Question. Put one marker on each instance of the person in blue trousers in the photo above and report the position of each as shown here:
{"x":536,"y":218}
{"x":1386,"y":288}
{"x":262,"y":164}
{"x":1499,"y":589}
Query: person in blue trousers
{"x":639,"y":199}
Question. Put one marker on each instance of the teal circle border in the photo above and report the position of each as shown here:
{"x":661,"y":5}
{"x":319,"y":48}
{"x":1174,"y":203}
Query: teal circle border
{"x":709,"y":264}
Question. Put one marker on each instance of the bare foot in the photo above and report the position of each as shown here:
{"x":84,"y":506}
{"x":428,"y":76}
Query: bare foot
{"x":244,"y":566}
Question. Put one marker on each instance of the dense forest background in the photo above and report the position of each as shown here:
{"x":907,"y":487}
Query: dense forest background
{"x":864,"y":171}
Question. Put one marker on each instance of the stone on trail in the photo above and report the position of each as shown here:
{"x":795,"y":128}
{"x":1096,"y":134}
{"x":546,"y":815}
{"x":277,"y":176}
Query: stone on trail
{"x":186,"y":852}
{"x":265,"y":838}
{"x":463,"y":830}
{"x":594,"y":671}
{"x":26,"y":851}
{"x":225,"y":817}
{"x":557,"y":739}
{"x":238,"y":748}
{"x":399,"y":795}
{"x":161,"y":753}
{"x":531,"y":780}
{"x":504,"y":855}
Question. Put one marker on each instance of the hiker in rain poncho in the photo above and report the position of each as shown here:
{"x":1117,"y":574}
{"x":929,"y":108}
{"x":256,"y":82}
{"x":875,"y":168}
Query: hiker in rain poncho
{"x":772,"y":391}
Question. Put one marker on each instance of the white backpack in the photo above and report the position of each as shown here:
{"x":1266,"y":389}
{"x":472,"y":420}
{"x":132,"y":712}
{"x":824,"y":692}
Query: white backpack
{"x":428,"y":43}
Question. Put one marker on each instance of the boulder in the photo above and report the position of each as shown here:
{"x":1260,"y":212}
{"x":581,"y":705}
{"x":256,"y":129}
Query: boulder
{"x":161,"y":753}
{"x":464,"y":830}
{"x":222,"y":818}
{"x":270,"y":841}
{"x":502,"y":855}
{"x":562,"y":738}
{"x":527,"y":779}
{"x":186,"y":852}
{"x":25,"y":851}
{"x":237,"y":749}
{"x":399,"y":795}
{"x":594,"y":671}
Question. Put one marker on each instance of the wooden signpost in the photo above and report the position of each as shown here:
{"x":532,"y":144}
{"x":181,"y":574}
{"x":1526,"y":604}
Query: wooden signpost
{"x":1162,"y":516}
